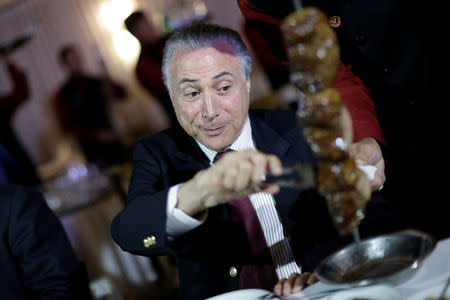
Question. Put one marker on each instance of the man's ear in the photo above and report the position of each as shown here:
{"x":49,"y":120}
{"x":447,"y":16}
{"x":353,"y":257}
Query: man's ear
{"x":248,"y":85}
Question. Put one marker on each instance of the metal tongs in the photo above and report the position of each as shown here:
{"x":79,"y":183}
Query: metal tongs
{"x":300,"y":176}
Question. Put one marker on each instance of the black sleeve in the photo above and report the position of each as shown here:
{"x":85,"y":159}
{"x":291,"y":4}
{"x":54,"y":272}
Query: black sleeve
{"x":144,"y":217}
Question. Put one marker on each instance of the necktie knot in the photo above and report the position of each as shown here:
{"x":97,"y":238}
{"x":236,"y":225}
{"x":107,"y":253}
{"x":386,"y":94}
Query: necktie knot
{"x":219,"y":155}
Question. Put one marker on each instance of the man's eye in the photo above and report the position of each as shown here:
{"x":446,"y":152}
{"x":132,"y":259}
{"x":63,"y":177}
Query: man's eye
{"x":192,"y":94}
{"x":225,"y":88}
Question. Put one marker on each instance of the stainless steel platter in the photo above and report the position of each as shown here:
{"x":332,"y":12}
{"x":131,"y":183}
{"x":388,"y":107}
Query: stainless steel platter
{"x":389,"y":258}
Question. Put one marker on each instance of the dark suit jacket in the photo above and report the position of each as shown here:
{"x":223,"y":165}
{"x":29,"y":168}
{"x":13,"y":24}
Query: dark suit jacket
{"x":36,"y":258}
{"x":205,"y":254}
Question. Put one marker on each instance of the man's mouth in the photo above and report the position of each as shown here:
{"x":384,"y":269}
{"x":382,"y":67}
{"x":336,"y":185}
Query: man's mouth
{"x":215,"y":130}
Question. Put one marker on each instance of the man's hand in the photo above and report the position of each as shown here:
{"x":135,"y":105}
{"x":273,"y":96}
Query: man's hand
{"x":294,"y":284}
{"x":235,"y":176}
{"x":368,"y":152}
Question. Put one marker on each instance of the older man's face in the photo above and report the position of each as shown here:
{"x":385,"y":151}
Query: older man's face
{"x":209,"y":94}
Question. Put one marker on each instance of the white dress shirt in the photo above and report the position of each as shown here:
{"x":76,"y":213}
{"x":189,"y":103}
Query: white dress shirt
{"x":179,"y":222}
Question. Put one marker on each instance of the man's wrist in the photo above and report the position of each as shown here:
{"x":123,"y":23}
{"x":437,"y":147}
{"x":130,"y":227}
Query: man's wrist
{"x":178,"y":222}
{"x":189,"y":200}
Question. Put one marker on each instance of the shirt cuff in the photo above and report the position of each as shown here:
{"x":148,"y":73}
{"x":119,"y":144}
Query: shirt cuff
{"x":178,"y":222}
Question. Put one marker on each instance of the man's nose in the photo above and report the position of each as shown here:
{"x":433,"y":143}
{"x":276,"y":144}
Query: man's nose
{"x":210,"y":107}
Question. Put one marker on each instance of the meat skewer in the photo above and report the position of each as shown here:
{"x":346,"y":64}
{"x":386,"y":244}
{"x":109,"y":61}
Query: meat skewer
{"x":313,"y":54}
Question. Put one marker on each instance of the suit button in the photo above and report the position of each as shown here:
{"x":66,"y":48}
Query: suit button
{"x":335,"y":21}
{"x":149,"y":241}
{"x":233,"y":272}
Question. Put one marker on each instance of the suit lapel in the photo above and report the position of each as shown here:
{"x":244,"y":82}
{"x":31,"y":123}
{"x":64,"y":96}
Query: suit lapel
{"x":189,"y":158}
{"x":267,"y":140}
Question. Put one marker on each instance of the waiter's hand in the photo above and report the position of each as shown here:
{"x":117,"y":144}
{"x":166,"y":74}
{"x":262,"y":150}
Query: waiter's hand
{"x":294,"y":284}
{"x":234,"y":176}
{"x":368,"y":152}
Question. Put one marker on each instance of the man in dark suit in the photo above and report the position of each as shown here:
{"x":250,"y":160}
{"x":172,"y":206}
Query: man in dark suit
{"x":36,"y":258}
{"x":182,"y":200}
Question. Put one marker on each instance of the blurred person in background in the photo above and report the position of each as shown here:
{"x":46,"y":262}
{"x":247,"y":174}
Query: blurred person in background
{"x":82,"y":109}
{"x":37,"y":260}
{"x":148,"y":67}
{"x":263,"y":33}
{"x":9,"y":103}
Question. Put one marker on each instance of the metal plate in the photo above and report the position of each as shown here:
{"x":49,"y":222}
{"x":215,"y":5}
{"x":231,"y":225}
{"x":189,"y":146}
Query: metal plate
{"x":389,"y":259}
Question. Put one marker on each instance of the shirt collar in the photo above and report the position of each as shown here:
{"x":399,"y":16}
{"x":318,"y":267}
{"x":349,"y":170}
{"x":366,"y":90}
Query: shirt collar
{"x":243,"y":142}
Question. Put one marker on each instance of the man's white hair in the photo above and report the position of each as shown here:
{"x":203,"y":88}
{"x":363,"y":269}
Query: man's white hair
{"x":200,"y":36}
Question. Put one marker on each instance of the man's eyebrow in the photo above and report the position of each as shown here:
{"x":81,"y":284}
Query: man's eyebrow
{"x":195,"y":80}
{"x":186,"y":80}
{"x":222,"y":74}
